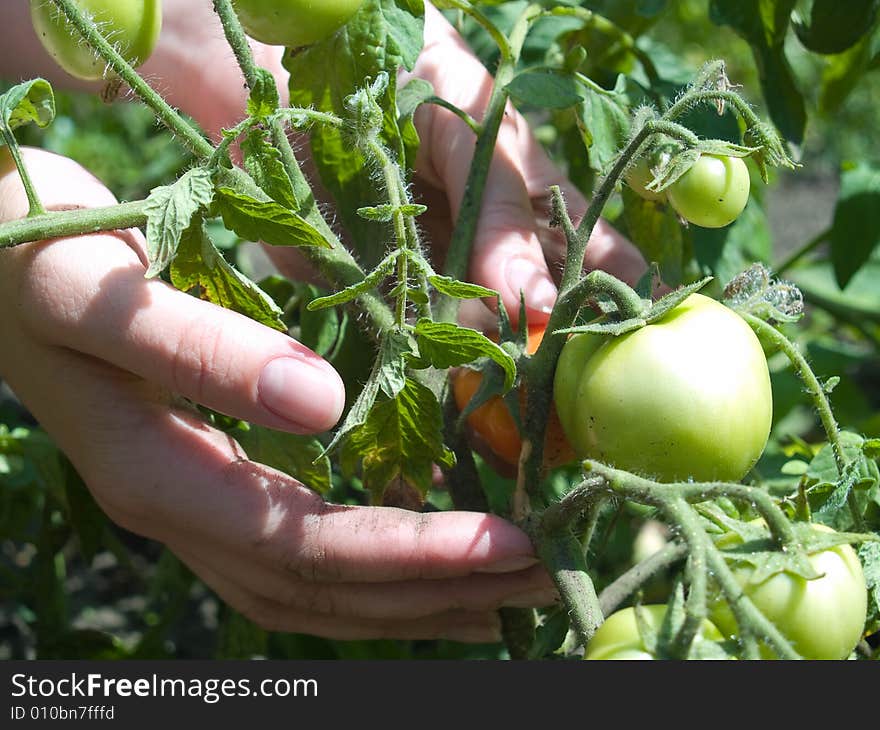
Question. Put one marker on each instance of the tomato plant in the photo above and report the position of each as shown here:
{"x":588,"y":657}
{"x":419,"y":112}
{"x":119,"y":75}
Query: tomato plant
{"x":494,"y":425}
{"x":620,"y":637}
{"x":686,"y":397}
{"x":823,"y":617}
{"x":132,"y":26}
{"x":713,"y":192}
{"x":293,"y":23}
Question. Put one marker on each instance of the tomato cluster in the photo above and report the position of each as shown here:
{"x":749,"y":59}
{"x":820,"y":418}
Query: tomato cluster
{"x":712,"y":194}
{"x":132,"y":26}
{"x":620,"y":637}
{"x":823,"y":618}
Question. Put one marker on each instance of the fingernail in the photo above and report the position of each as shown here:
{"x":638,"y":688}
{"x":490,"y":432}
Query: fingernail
{"x":310,"y":396}
{"x":538,"y":288}
{"x":510,"y":564}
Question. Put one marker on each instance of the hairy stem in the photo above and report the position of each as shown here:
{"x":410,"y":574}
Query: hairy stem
{"x":73,"y":223}
{"x":817,"y":394}
{"x":630,"y":581}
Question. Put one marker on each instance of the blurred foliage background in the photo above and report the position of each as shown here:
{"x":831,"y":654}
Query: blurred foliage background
{"x":73,"y":585}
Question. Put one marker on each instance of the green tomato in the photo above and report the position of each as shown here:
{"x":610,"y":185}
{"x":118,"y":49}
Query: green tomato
{"x":638,"y":176}
{"x":712,"y":193}
{"x":132,"y":26}
{"x":619,"y":636}
{"x":822,"y":618}
{"x":685,"y":397}
{"x":293,"y":23}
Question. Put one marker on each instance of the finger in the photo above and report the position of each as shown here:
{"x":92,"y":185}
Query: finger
{"x":507,"y":255}
{"x":179,"y":476}
{"x":100,"y":304}
{"x":457,"y":625}
{"x":530,"y":588}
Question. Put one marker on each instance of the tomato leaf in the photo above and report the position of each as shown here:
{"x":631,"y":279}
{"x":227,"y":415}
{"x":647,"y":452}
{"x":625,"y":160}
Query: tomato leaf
{"x":382,"y":271}
{"x":265,"y":220}
{"x":263,"y":161}
{"x":603,"y":120}
{"x":415,"y":93}
{"x":668,"y":302}
{"x":834,"y":27}
{"x":263,"y":100}
{"x":201,"y":269}
{"x":545,"y":88}
{"x":869,"y":556}
{"x":170,"y":211}
{"x":383,"y":35}
{"x":460,"y":289}
{"x":855,"y":231}
{"x":444,"y":345}
{"x":401,"y":439}
{"x":29,"y":102}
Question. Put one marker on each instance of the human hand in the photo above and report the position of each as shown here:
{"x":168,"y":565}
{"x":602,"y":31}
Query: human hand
{"x":100,"y":356}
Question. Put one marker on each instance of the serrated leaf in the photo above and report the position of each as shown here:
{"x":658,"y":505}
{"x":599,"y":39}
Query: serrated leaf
{"x":401,"y":438}
{"x":672,"y":169}
{"x":383,"y":35}
{"x":201,"y":269}
{"x":668,"y":302}
{"x":723,"y":147}
{"x":170,"y":210}
{"x":382,"y":271}
{"x":393,"y":349}
{"x":267,"y":221}
{"x":460,"y":289}
{"x":612,"y":328}
{"x":445,"y":344}
{"x":263,"y":161}
{"x":603,"y":121}
{"x":415,"y":93}
{"x":263,"y":100}
{"x":299,"y":456}
{"x":29,"y":102}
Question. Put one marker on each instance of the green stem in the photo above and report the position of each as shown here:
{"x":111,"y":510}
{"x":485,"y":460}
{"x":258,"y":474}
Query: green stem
{"x":73,"y":223}
{"x":629,"y":582}
{"x":336,"y":263}
{"x":465,"y":230}
{"x":193,"y":140}
{"x":472,"y":123}
{"x":646,"y":491}
{"x":820,"y":399}
{"x":35,"y":206}
{"x":561,"y":553}
{"x":749,"y":618}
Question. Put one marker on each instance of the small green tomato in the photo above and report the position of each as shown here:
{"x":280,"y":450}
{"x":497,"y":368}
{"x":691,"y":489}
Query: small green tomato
{"x":131,"y":26}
